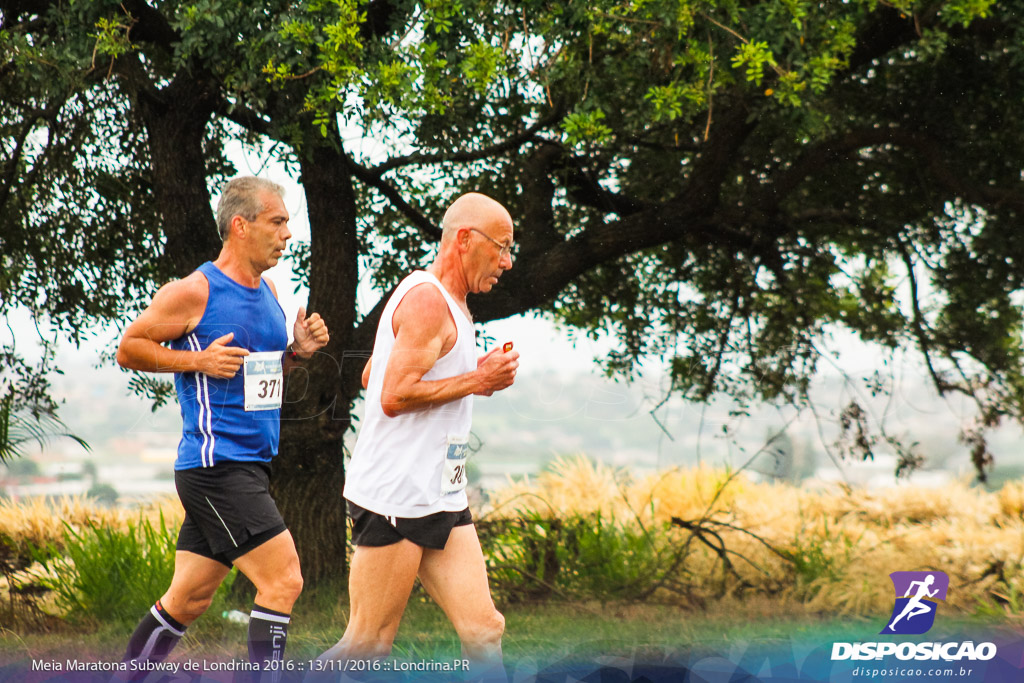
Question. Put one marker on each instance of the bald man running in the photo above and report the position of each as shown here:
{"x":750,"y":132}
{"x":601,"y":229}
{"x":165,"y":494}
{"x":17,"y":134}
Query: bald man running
{"x":406,"y":483}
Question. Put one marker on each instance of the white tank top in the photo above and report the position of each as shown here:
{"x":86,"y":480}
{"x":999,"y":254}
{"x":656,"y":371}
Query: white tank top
{"x":398,"y":466}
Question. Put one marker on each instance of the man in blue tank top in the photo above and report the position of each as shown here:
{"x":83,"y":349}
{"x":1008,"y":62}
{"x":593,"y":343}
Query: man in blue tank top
{"x":226,"y":336}
{"x":406,"y":481}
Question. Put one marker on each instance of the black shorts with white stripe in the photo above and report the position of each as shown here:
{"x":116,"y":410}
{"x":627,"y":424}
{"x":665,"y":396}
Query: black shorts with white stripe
{"x":228,"y":509}
{"x":430,"y":531}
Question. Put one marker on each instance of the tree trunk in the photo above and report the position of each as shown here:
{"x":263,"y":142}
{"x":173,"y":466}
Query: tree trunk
{"x":308,"y":479}
{"x":309,"y":471}
{"x":176,"y":119}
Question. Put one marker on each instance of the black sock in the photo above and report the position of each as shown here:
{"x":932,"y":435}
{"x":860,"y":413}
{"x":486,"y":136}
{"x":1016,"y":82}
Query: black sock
{"x":155,"y":636}
{"x":268,"y":631}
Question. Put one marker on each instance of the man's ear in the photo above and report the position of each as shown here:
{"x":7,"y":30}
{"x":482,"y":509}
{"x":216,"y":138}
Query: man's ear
{"x":239,"y":227}
{"x":462,"y":237}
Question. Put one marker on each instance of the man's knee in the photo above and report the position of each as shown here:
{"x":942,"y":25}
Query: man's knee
{"x":198,"y":605}
{"x":288,"y":584}
{"x":498,"y":625}
{"x":279,"y":586}
{"x":186,"y":608}
{"x":486,"y":630}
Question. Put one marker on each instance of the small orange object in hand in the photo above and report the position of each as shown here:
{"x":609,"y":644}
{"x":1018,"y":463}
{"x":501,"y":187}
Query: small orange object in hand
{"x":506,"y":347}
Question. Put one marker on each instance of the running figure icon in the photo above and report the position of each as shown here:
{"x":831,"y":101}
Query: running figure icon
{"x":915,"y":607}
{"x":917,"y":598}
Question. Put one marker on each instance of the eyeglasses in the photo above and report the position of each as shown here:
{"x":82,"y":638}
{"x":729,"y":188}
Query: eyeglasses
{"x":506,"y":249}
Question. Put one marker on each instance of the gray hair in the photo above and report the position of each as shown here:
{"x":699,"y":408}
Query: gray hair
{"x":241,"y":197}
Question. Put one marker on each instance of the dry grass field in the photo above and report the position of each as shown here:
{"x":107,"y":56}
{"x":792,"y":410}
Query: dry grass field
{"x":823,"y":552}
{"x":831,"y":551}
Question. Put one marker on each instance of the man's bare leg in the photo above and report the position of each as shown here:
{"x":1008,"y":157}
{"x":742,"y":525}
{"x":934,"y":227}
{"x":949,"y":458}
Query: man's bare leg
{"x":456,"y":578}
{"x":192,"y":587}
{"x":273,"y":567}
{"x":380,"y":581}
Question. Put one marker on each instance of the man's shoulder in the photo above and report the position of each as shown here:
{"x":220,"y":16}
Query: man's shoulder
{"x":270,"y":284}
{"x":190,"y":291}
{"x":424,"y":294}
{"x":425,"y":306}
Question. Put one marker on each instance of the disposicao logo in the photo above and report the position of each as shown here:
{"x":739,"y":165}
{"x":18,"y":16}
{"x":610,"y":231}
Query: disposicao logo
{"x":917,"y":596}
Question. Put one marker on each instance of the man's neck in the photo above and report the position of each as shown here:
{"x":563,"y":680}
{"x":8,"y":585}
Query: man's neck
{"x":238,"y":268}
{"x":454,"y":283}
{"x":452,"y":279}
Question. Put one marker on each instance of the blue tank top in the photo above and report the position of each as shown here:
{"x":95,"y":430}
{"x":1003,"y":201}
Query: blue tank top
{"x":215,"y":425}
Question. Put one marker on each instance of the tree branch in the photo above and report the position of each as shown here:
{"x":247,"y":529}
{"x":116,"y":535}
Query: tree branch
{"x":374,"y":180}
{"x":694,"y":217}
{"x":473,"y":155}
{"x":583,"y":189}
{"x":53,"y":145}
{"x":246,"y":118}
{"x":537,"y":213}
{"x":49,"y":115}
{"x":136,"y":80}
{"x":150,"y":25}
{"x":923,"y":343}
{"x":929,"y":149}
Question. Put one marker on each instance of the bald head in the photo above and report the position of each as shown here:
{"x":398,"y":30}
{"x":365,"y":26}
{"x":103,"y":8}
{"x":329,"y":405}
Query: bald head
{"x":473,"y":210}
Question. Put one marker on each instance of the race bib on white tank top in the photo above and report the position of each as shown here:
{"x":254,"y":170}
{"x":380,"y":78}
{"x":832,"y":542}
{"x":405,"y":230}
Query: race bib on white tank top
{"x":454,"y":479}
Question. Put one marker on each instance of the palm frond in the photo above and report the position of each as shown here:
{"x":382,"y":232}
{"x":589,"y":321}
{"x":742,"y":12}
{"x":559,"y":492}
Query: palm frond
{"x":21,"y":427}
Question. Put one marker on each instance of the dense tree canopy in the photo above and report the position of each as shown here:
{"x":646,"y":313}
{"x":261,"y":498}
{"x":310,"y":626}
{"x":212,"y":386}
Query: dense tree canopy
{"x":715,"y":182}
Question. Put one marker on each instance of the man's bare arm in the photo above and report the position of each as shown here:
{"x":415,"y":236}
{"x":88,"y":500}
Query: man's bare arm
{"x":175,"y":311}
{"x":308,"y":335}
{"x":366,"y":372}
{"x":422,"y":325}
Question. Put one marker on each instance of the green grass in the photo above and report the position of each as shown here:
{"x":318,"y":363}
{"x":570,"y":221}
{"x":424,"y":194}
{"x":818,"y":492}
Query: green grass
{"x":590,"y":574}
{"x":107,"y":573}
{"x":544,"y":632}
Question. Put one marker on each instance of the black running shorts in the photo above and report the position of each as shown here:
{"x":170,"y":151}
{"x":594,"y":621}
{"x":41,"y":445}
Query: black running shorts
{"x":432,"y":531}
{"x":228,"y":509}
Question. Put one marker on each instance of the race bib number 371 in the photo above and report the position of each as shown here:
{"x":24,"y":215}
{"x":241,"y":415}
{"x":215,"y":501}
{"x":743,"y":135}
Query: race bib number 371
{"x":263,"y":380}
